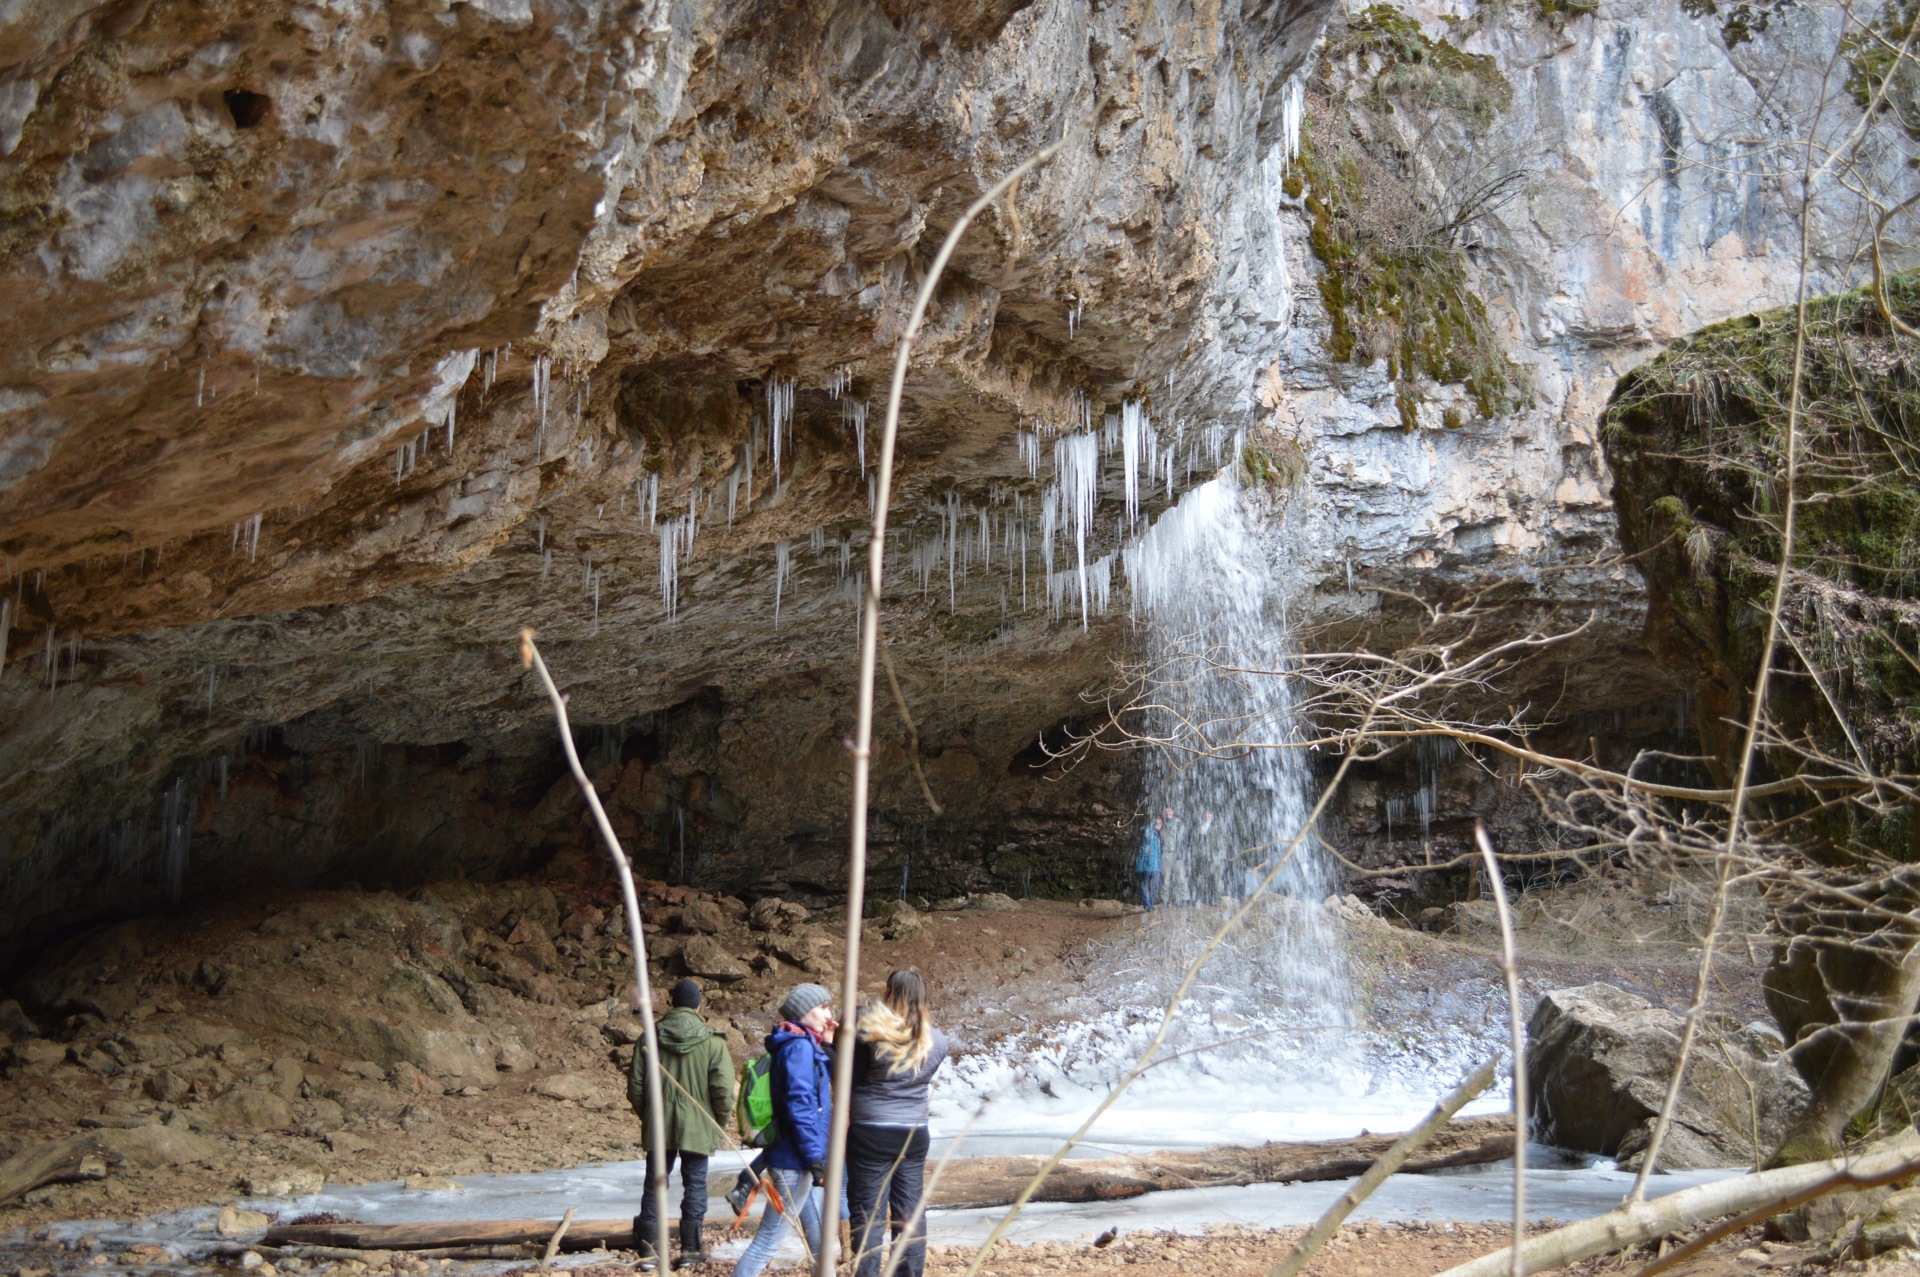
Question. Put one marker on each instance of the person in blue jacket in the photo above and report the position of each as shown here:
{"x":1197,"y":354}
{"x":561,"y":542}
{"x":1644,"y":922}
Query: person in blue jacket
{"x":1146,"y":865}
{"x":802,"y":1098}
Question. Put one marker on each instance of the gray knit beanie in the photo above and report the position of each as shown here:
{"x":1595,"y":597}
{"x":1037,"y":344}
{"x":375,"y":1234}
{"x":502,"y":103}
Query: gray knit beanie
{"x":802,"y":999}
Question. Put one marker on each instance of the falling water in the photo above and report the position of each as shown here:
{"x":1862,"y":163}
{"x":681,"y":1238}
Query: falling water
{"x":1215,"y":634}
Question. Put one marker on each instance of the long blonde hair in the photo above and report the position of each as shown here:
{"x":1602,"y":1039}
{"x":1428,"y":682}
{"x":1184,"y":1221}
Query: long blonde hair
{"x":896,"y":1023}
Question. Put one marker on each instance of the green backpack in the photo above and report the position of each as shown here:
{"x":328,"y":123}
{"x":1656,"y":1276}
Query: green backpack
{"x":754,"y":1109}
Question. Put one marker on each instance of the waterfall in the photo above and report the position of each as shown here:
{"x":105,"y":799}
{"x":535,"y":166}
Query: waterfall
{"x":1215,"y":635}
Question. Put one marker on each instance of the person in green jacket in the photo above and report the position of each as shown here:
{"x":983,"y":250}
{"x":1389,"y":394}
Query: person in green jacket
{"x":697,"y":1101}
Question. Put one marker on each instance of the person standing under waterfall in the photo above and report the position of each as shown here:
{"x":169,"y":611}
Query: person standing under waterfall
{"x":1146,"y":865}
{"x":802,"y":1100}
{"x":698,"y":1077}
{"x":896,"y":1052}
{"x":1177,"y":880}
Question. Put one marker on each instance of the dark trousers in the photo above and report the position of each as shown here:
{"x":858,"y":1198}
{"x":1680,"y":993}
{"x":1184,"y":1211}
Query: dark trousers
{"x":886,"y":1166}
{"x":1149,"y":889}
{"x":693,"y":1202}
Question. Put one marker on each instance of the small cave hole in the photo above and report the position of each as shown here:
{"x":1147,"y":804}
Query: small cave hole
{"x":1036,"y":757}
{"x":247,"y":107}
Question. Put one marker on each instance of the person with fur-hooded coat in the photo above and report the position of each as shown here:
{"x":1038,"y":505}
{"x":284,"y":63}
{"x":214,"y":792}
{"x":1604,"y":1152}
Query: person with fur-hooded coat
{"x":896,"y":1052}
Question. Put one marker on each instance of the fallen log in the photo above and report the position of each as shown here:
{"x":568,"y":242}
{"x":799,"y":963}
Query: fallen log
{"x":79,"y":1157}
{"x":582,"y":1234}
{"x":376,"y":1257}
{"x":995,"y":1181}
{"x":981,"y":1182}
{"x":1637,"y":1222}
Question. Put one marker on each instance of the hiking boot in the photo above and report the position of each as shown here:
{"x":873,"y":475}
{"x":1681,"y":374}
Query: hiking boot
{"x":738,"y":1195}
{"x":687,"y":1258}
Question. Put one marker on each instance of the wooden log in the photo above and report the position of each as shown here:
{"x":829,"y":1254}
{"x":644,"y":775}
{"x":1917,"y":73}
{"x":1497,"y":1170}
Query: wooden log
{"x":80,"y":1157}
{"x":582,"y":1234}
{"x":996,"y":1181}
{"x":980,"y":1182}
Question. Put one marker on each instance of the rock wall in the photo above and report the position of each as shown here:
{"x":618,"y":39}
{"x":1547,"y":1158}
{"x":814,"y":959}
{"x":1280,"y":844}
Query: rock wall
{"x":355,"y":340}
{"x":1639,"y":204}
{"x":361,"y":339}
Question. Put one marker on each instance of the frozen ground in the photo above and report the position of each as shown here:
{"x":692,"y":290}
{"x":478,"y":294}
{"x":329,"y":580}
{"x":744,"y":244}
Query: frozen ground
{"x":1261,"y":1049}
{"x":1472,"y":1194}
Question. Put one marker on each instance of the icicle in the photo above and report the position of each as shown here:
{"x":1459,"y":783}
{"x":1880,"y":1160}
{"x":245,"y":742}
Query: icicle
{"x":779,"y":416}
{"x":453,"y":410}
{"x":669,"y":567}
{"x":855,"y":415}
{"x":53,"y":665}
{"x":540,"y":535}
{"x":1134,"y":429}
{"x":1029,"y":443}
{"x":200,"y":391}
{"x":546,"y":563}
{"x":782,"y":565}
{"x":1073,"y":316}
{"x":1076,"y":460}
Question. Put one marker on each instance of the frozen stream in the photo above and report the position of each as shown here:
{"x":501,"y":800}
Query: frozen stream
{"x":610,"y":1191}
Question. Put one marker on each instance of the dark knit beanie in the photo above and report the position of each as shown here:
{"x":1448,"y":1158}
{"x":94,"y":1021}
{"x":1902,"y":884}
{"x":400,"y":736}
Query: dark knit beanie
{"x":686,"y":994}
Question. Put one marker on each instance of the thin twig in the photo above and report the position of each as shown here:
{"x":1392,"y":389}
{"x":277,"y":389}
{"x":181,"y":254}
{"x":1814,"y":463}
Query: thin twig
{"x":906,"y":720}
{"x":623,"y":873}
{"x":869,"y":649}
{"x":1390,"y":1161}
{"x":553,"y":1242}
{"x":1509,"y":967}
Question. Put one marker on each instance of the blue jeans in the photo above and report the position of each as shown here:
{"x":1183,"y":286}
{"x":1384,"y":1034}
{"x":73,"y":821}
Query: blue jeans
{"x":802,"y":1199}
{"x":693,"y":1203}
{"x":1149,"y":889}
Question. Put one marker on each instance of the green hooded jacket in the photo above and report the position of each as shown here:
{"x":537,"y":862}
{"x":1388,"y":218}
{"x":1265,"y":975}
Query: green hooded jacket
{"x":699,"y":1083}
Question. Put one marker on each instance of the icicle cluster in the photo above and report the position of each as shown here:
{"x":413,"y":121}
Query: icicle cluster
{"x":246,"y":534}
{"x":779,"y":418}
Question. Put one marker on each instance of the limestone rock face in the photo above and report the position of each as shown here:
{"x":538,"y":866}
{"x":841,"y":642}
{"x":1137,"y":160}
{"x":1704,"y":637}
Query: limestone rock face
{"x":344,"y":343}
{"x":347,"y":343}
{"x":1635,"y":215}
{"x":1598,"y":1063}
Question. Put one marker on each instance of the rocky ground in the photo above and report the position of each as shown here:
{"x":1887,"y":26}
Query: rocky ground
{"x":257,"y":1047}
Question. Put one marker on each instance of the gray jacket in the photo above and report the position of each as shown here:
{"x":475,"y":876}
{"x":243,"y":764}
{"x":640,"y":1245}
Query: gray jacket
{"x":883,"y":1097}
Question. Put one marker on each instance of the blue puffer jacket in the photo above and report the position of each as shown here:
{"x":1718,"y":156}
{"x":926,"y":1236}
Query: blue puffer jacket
{"x":1148,"y":861}
{"x":802,"y":1097}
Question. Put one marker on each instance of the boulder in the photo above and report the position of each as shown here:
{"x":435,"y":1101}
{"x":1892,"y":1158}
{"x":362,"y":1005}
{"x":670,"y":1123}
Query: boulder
{"x":775,"y":914}
{"x":808,"y":948}
{"x":701,"y":917}
{"x":1477,"y":920}
{"x":166,"y":1086}
{"x":1105,"y":908}
{"x":1894,"y":1226}
{"x":1598,"y":1061}
{"x":566,"y":1086}
{"x":249,"y":1108}
{"x":708,"y":958}
{"x":286,"y":1181}
{"x":901,"y":921}
{"x":234,"y":1222}
{"x":37,"y":1055}
{"x":284,"y":1078}
{"x":156,"y":1147}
